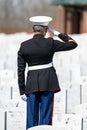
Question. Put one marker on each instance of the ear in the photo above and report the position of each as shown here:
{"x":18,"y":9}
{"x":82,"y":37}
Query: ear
{"x":33,"y":29}
{"x":46,"y":29}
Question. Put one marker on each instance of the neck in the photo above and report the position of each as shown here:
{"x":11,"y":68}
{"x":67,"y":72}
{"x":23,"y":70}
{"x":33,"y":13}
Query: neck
{"x":38,"y":35}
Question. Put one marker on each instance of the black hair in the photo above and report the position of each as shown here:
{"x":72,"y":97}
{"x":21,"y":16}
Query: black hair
{"x":39,"y":28}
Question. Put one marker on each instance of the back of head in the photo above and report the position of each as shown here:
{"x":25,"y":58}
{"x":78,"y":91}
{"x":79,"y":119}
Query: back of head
{"x":40,"y":29}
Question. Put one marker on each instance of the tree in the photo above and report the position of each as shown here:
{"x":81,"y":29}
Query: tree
{"x":15,"y":13}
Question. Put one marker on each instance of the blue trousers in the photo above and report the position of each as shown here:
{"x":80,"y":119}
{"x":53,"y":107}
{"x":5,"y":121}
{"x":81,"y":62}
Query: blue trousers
{"x":39,"y":108}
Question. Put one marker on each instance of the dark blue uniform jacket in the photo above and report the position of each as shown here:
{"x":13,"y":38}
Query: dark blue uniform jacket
{"x":39,"y":51}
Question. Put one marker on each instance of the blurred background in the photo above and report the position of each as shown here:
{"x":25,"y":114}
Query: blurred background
{"x":69,"y":16}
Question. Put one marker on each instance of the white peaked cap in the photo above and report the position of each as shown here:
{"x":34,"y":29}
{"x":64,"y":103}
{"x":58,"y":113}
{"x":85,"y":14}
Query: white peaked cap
{"x":40,"y":20}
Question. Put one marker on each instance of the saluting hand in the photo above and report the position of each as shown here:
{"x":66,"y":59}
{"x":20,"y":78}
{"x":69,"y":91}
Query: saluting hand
{"x":62,"y":36}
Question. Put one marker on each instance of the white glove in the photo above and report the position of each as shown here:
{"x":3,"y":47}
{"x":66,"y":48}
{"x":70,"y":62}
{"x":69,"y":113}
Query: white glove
{"x":24,"y":97}
{"x":56,"y":33}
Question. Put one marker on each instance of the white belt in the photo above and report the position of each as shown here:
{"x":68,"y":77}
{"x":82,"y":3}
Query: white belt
{"x":36,"y":67}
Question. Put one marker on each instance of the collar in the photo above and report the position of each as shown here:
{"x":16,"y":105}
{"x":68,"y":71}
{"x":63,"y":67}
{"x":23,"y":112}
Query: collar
{"x":38,"y":36}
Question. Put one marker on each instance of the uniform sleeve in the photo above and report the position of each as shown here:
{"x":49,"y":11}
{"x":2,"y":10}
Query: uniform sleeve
{"x":21,"y":71}
{"x":63,"y":46}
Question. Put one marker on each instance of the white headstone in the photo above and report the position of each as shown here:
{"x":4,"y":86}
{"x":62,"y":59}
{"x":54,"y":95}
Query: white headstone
{"x":2,"y":119}
{"x":47,"y":127}
{"x":71,"y":120}
{"x":81,"y":110}
{"x":84,"y":121}
{"x":16,"y":120}
{"x":73,"y":97}
{"x":84,"y":93}
{"x":59,"y":106}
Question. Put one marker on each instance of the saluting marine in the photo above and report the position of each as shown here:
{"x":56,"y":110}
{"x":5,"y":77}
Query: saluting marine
{"x":42,"y":81}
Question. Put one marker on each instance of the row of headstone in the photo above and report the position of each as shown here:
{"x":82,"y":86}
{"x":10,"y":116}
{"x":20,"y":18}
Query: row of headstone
{"x":60,"y":106}
{"x":15,"y":119}
{"x":65,"y":101}
{"x":73,"y":56}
